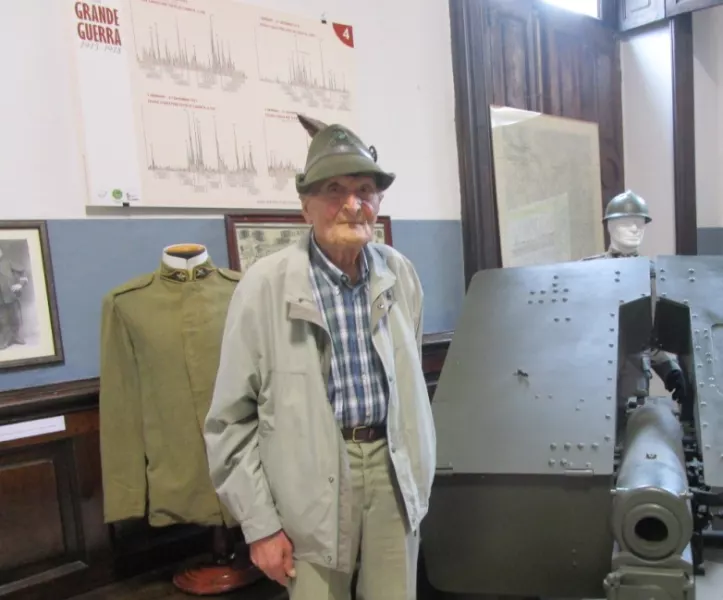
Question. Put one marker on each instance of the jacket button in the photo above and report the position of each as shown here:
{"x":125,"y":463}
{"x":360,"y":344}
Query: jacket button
{"x":394,"y":449}
{"x":331,"y":479}
{"x":328,"y":559}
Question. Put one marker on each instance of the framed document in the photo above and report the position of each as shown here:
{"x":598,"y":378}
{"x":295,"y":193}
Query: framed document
{"x":255,"y":235}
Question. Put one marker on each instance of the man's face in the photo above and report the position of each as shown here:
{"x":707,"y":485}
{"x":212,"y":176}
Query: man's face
{"x":343,"y":211}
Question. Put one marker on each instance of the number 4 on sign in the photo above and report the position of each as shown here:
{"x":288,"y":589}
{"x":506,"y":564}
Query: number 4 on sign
{"x":345,"y":33}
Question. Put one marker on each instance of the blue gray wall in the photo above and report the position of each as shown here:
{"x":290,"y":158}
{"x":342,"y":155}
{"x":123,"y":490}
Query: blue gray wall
{"x":91,"y":256}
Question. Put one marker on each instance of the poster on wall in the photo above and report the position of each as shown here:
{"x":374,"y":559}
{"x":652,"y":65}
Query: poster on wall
{"x":194,"y":103}
{"x":548,"y":187}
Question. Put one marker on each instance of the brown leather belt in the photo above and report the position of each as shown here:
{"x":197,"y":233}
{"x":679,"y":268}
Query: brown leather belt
{"x":364,"y":434}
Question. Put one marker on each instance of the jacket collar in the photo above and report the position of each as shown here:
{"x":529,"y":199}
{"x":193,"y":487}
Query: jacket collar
{"x":297,"y":283}
{"x":199,"y":271}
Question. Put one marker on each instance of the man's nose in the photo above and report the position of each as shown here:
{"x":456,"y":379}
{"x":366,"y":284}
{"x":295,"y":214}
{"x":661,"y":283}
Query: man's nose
{"x":352,"y":200}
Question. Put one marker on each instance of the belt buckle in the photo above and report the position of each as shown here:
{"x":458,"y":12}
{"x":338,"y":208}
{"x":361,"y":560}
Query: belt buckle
{"x":353,"y":434}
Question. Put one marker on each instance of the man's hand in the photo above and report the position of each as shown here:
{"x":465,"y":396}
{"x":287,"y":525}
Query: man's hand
{"x":274,"y":556}
{"x":675,"y":382}
{"x":16,"y":287}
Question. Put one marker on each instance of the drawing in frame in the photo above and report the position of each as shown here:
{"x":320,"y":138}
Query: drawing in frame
{"x":29,"y":324}
{"x":251,"y":236}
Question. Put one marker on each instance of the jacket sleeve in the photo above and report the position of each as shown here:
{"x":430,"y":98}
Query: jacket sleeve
{"x":231,"y":427}
{"x":122,"y":446}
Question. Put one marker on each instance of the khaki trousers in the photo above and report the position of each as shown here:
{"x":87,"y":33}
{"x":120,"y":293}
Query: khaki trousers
{"x":388,"y":550}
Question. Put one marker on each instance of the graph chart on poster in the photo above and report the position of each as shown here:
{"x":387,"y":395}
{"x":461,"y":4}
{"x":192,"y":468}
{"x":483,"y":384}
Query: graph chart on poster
{"x":194,"y":103}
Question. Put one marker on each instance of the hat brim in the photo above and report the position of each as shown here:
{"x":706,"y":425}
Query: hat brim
{"x":613,"y":216}
{"x":340,"y":165}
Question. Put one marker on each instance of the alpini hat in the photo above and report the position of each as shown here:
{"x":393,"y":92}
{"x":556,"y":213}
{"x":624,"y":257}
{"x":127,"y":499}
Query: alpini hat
{"x":336,"y":150}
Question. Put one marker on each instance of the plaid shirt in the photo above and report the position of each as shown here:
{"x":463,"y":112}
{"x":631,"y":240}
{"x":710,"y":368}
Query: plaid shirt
{"x":357,"y":385}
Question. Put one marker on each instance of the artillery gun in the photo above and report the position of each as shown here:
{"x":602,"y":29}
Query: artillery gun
{"x":550,"y":483}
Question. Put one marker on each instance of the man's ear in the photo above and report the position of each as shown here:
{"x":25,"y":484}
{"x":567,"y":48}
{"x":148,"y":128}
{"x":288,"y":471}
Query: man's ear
{"x":305,"y":208}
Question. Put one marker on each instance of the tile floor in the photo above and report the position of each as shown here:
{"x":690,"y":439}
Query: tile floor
{"x":710,"y":586}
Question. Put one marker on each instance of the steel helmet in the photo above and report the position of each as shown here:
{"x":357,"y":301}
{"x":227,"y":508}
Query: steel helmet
{"x":627,"y":204}
{"x":336,"y":150}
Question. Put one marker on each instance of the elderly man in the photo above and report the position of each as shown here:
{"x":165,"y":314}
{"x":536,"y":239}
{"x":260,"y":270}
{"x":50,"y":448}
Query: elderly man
{"x":320,"y":435}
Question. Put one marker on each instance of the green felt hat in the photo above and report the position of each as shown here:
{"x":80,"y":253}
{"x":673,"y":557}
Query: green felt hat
{"x":336,"y":150}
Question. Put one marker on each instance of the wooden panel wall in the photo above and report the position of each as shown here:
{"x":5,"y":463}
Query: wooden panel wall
{"x":53,"y":542}
{"x":528,"y":55}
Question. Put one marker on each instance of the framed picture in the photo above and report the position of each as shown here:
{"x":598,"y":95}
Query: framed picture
{"x":29,"y":327}
{"x":255,"y":235}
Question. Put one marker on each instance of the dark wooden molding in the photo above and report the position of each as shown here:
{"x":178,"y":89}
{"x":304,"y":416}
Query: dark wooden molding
{"x":686,"y":232}
{"x":471,"y":70}
{"x":46,"y":400}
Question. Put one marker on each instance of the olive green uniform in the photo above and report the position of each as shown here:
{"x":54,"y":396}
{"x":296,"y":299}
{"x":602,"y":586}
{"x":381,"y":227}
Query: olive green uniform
{"x":160,"y":345}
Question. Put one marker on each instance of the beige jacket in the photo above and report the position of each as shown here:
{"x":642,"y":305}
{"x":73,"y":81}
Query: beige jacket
{"x":275,"y":451}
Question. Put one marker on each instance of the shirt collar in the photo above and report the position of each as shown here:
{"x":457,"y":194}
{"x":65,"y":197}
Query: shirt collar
{"x":320,"y":260}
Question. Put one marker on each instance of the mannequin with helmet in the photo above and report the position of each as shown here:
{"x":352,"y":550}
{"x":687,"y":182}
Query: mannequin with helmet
{"x":626,"y":217}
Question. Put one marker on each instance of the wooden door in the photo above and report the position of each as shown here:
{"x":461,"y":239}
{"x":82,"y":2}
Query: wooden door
{"x":530,"y":55}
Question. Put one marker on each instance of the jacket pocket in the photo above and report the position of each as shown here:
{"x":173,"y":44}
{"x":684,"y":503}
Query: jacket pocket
{"x":289,"y":448}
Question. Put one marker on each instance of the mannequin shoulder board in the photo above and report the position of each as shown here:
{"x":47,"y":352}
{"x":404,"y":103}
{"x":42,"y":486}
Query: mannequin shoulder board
{"x":230,"y":274}
{"x":136,"y":283}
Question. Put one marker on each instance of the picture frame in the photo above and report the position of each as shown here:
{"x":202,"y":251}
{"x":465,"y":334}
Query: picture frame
{"x":251,"y":236}
{"x":29,"y":322}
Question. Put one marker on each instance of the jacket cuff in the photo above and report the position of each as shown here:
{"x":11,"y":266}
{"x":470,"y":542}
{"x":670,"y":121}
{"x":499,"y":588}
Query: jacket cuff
{"x":261,"y":526}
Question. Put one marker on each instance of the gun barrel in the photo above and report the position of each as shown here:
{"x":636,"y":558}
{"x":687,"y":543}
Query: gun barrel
{"x":652,"y":517}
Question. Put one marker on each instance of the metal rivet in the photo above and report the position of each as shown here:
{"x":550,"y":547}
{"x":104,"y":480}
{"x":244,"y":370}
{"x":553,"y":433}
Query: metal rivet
{"x":564,"y":462}
{"x":610,"y":362}
{"x":607,"y":438}
{"x":697,"y":347}
{"x":611,"y":345}
{"x":691,"y":270}
{"x":704,"y":404}
{"x":595,"y":446}
{"x":568,"y":445}
{"x":551,"y":462}
{"x":616,"y":279}
{"x":540,"y":301}
{"x":707,"y":446}
{"x":564,"y":299}
{"x":577,"y":409}
{"x":651,"y":456}
{"x":609,"y":397}
{"x":567,"y":318}
{"x":617,"y":272}
{"x":705,"y":424}
{"x":588,"y":465}
{"x":662,"y":279}
{"x":691,"y":279}
{"x":553,"y":446}
{"x":581,"y":446}
{"x":529,"y":302}
{"x":608,"y":417}
{"x":556,"y":319}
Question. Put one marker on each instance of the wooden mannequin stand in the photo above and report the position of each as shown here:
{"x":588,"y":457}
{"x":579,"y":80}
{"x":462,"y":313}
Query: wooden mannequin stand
{"x":228,"y":570}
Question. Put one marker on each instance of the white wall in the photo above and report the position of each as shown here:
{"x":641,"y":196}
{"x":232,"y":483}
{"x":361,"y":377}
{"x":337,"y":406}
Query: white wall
{"x":406,"y":104}
{"x":708,"y":78}
{"x":647,"y":98}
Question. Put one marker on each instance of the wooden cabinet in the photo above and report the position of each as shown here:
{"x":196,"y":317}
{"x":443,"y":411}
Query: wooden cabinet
{"x":637,"y":13}
{"x":677,"y":7}
{"x":633,"y":14}
{"x":53,"y":541}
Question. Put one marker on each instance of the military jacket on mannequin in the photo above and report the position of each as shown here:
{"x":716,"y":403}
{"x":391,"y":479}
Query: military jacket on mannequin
{"x":160,"y":344}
